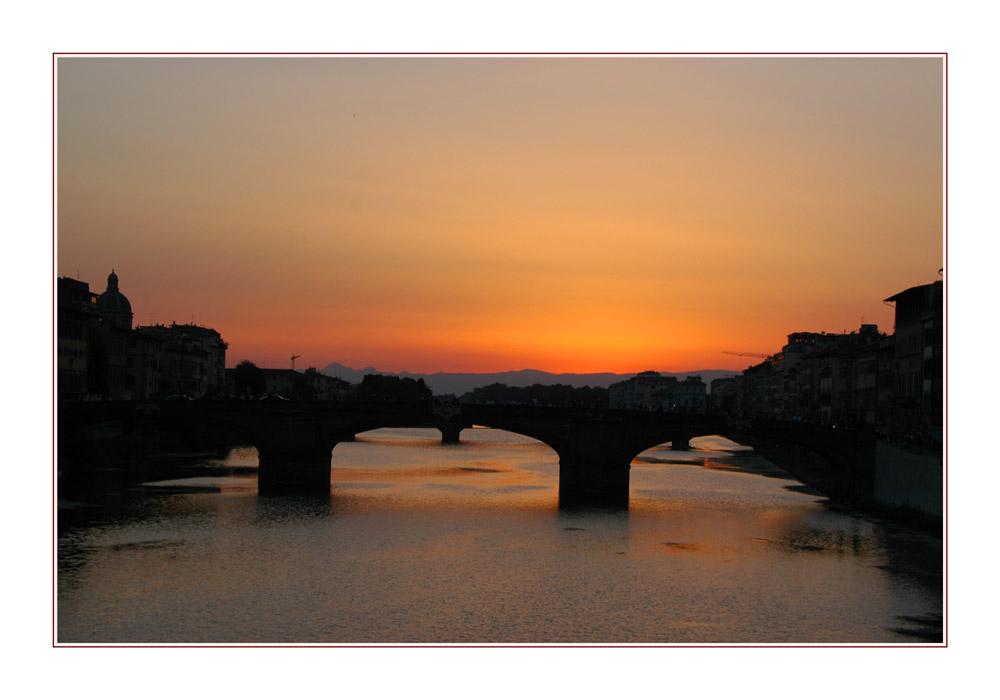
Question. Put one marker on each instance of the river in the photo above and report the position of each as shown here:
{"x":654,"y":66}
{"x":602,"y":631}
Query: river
{"x":424,"y":543}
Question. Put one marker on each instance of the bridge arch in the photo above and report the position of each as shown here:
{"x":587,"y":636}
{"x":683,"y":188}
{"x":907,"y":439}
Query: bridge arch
{"x":295,"y":439}
{"x":595,"y":448}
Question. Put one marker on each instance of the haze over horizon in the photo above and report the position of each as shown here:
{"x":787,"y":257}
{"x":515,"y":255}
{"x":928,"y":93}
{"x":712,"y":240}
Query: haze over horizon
{"x":482,"y":214}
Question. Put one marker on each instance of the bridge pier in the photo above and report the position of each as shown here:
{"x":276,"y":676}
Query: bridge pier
{"x":680,"y":443}
{"x":294,"y":469}
{"x":450,"y":433}
{"x":593,"y":482}
{"x":448,"y":419}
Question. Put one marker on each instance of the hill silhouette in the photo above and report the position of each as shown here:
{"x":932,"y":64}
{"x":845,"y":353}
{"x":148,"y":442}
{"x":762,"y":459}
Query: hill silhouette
{"x":459,"y":383}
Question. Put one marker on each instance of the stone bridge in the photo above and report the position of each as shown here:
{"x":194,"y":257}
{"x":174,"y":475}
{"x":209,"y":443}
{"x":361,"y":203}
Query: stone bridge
{"x":295,"y":439}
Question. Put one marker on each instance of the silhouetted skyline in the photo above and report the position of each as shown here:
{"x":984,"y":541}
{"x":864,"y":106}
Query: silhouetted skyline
{"x":480,"y":214}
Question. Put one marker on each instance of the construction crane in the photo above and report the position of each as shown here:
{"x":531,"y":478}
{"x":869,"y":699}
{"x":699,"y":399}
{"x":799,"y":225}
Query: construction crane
{"x":293,"y":360}
{"x":746,"y":354}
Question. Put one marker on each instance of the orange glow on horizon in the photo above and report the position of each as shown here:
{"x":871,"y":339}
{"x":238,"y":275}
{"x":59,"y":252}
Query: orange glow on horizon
{"x":488,"y":214}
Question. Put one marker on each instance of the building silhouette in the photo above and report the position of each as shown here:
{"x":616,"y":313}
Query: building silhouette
{"x":892,"y":383}
{"x":76,"y":321}
{"x":651,"y":391}
{"x":113,"y":306}
{"x":115,"y":322}
{"x":294,"y":384}
{"x":177,"y":359}
{"x":918,"y":360}
{"x":100,"y":355}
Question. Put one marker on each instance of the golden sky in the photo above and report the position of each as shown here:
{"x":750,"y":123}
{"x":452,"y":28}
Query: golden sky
{"x":480,"y":214}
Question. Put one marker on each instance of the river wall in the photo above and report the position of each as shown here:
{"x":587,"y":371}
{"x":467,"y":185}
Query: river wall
{"x":847,"y":480}
{"x":908,"y":479}
{"x":112,"y":453}
{"x":904,"y":485}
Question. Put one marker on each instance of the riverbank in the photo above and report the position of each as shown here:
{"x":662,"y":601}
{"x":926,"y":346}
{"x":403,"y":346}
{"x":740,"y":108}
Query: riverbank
{"x":899,"y":485}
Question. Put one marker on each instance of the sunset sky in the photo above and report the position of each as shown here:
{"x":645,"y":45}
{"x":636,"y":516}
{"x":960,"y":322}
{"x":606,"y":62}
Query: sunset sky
{"x":481,"y":214}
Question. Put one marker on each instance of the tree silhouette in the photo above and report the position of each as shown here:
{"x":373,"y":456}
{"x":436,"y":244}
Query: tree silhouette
{"x":380,"y":387}
{"x":248,"y":379}
{"x":539,"y":394}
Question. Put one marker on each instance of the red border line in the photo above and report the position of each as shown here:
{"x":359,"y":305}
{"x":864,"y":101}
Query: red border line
{"x":56,"y":645}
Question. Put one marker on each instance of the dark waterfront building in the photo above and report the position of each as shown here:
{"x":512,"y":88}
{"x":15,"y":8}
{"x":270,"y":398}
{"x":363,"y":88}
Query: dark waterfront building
{"x":727,"y":396}
{"x":651,"y":391}
{"x":689,"y":395}
{"x":328,"y":388}
{"x":91,"y":339}
{"x":100,"y":355}
{"x":177,"y":359}
{"x":918,"y":363}
{"x":646,"y":391}
{"x":893,"y":383}
{"x":813,"y":378}
{"x":145,"y":355}
{"x":113,"y":306}
{"x":115,"y":313}
{"x":77,"y":319}
{"x":294,"y":384}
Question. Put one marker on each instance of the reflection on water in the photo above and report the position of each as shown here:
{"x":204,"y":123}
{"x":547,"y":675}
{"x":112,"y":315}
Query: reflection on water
{"x":422,"y":542}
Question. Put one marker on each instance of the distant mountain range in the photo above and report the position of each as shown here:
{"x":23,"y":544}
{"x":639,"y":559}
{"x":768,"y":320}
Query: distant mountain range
{"x":459,"y":383}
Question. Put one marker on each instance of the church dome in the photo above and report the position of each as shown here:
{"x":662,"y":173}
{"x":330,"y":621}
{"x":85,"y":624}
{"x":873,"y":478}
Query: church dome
{"x":113,"y":305}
